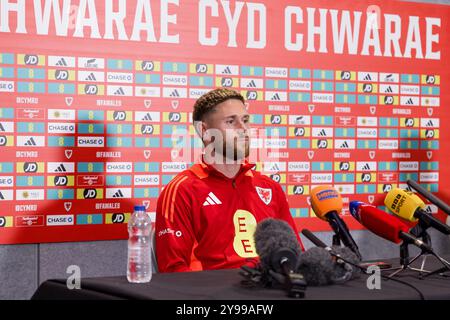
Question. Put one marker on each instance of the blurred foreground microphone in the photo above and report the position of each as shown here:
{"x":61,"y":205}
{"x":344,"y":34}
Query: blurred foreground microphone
{"x":322,"y":265}
{"x":327,"y":203}
{"x":384,"y":225}
{"x":278,"y":250}
{"x":429,"y":196}
{"x":410,"y":207}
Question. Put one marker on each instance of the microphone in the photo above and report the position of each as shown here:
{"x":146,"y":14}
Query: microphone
{"x":326,"y":202}
{"x":322,"y":265}
{"x":429,"y":196}
{"x":384,"y":225}
{"x":278,"y":250}
{"x":410,"y":207}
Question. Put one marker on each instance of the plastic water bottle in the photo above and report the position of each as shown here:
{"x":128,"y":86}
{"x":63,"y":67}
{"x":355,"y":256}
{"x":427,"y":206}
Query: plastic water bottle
{"x":140,"y":230}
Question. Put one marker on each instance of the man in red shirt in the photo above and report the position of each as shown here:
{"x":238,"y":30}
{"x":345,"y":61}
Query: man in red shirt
{"x":206,"y":216}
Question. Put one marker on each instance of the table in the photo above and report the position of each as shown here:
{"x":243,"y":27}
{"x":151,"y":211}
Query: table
{"x":226,"y":285}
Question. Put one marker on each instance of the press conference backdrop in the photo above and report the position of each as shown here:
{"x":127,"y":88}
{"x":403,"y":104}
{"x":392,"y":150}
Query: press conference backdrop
{"x":91,"y":96}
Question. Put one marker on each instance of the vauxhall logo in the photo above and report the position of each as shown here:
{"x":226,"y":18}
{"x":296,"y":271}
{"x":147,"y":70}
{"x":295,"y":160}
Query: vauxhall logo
{"x":226,"y":82}
{"x":147,"y":129}
{"x":30,"y":167}
{"x":61,"y":75}
{"x":31,"y":60}
{"x":90,"y":193}
{"x":119,"y":115}
{"x":60,"y":181}
{"x":147,"y":65}
{"x":91,"y":89}
{"x":201,"y":68}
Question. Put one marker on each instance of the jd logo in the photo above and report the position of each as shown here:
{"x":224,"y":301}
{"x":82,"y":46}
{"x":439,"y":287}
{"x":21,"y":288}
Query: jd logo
{"x":147,"y":129}
{"x":299,"y":132}
{"x":276,"y":177}
{"x":409,"y":122}
{"x":30,"y":167}
{"x":430,"y":80}
{"x":60,"y":181}
{"x":119,"y":115}
{"x":366,"y":177}
{"x":31,"y":60}
{"x":388,"y":100}
{"x":345,"y":75}
{"x":147,"y":65}
{"x":118,"y":218}
{"x":90,"y":193}
{"x":322,"y":144}
{"x":174,"y":117}
{"x":252,"y":95}
{"x":91,"y":89}
{"x":367,"y":87}
{"x":227,"y":82}
{"x":61,"y":75}
{"x":344,"y":166}
{"x":275,"y":119}
{"x":201,"y":68}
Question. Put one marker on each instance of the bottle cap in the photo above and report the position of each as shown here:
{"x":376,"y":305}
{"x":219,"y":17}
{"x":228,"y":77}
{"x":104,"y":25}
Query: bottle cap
{"x":139,"y":208}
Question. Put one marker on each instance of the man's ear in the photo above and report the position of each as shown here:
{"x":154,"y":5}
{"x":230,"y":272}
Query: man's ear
{"x":201,"y":129}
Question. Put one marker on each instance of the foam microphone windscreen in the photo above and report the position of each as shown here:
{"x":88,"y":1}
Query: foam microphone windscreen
{"x":325,"y":199}
{"x":320,"y":268}
{"x":273,"y":236}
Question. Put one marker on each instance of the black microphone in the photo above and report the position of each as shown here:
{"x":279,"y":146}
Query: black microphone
{"x":429,"y":196}
{"x":278,"y":250}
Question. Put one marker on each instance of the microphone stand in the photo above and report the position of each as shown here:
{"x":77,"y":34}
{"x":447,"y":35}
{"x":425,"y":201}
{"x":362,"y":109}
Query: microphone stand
{"x":420,"y":232}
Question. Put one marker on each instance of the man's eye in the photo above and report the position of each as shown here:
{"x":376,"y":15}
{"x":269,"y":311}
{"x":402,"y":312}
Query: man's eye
{"x":230,"y":121}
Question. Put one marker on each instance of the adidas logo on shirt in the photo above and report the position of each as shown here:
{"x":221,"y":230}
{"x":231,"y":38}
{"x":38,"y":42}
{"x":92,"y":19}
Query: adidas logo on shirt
{"x":211,"y":200}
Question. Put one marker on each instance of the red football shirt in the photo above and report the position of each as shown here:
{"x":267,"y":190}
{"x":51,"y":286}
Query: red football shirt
{"x":204,"y":217}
